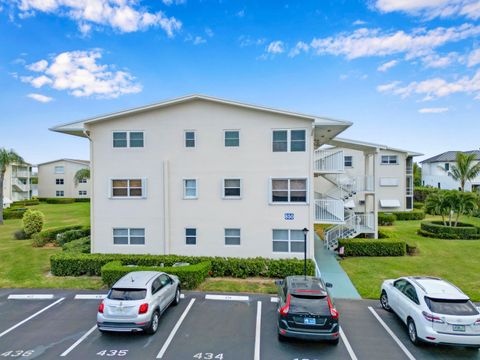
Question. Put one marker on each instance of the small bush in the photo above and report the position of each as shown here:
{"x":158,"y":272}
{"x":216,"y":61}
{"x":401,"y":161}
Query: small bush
{"x":410,"y":215}
{"x":33,"y":222}
{"x":78,"y":246}
{"x":60,"y":200}
{"x":418,"y":205}
{"x":420,"y":193}
{"x":383,"y":234}
{"x":412,"y":249}
{"x":20,"y":235}
{"x":25,"y":203}
{"x":190,"y":276}
{"x":386,"y":219}
{"x":50,"y":236}
{"x":436,"y":229}
{"x":373,"y":247}
{"x":82,"y":200}
{"x":70,"y":235}
{"x":14,"y":213}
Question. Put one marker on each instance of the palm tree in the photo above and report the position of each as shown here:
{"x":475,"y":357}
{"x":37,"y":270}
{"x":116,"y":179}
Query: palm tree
{"x":465,"y":169}
{"x":7,"y":157}
{"x":81,"y":174}
{"x":417,"y":175}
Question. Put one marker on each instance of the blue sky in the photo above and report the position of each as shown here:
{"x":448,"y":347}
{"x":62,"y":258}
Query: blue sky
{"x":406,"y":72}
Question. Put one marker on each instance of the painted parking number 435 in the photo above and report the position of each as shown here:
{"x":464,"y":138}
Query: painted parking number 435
{"x":208,"y":356}
{"x":112,"y":353}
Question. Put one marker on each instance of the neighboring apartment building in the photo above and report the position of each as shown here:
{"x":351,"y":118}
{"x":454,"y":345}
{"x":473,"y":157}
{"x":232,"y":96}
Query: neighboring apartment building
{"x":16,"y":185}
{"x":203,"y":176}
{"x":56,"y":179}
{"x":436,"y":172}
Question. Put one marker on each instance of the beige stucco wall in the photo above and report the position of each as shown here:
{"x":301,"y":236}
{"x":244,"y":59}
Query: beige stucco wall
{"x":165,"y":162}
{"x":47,"y":186}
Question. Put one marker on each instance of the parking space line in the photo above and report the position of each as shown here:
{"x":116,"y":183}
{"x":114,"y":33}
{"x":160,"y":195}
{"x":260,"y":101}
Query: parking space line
{"x":258,"y":327}
{"x":391,"y":333}
{"x":30,"y":297}
{"x":66,"y":352}
{"x":182,"y":296}
{"x":90,"y":296}
{"x":174,"y":330}
{"x":226,"y":297}
{"x":31,"y":317}
{"x":347,"y":345}
{"x":274,"y":299}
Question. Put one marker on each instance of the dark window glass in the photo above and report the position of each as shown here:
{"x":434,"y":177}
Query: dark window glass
{"x":191,"y":236}
{"x":297,"y":140}
{"x":119,"y":139}
{"x":189,"y":139}
{"x":451,"y":307}
{"x":127,"y":294}
{"x":136,"y":139}
{"x":232,"y":138}
{"x":317,"y":305}
{"x":349,"y":161}
{"x":280,"y":143}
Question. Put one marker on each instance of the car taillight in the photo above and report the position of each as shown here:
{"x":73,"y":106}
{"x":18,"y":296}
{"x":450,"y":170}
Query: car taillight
{"x":333,"y":311}
{"x":143,"y":309}
{"x":101,"y":307}
{"x":477,"y":323}
{"x":432,"y":318}
{"x":284,"y":309}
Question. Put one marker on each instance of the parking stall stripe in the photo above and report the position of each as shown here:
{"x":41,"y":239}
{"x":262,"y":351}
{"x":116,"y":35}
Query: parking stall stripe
{"x":30,"y":297}
{"x":31,"y":317}
{"x":274,"y":299}
{"x":174,"y":330}
{"x":391,"y":333}
{"x":66,"y":352}
{"x":226,"y":297}
{"x":90,"y":296}
{"x":258,"y":328}
{"x":347,"y":345}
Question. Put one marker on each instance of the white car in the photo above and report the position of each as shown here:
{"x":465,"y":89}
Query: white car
{"x":434,"y":310}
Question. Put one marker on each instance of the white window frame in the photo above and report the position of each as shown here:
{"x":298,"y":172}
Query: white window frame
{"x":191,"y":236}
{"x":83,"y":181}
{"x":225,"y":138}
{"x":60,"y":181}
{"x":345,"y":161}
{"x":194,"y":139}
{"x":57,"y":192}
{"x":185,"y":196}
{"x":82,"y":192}
{"x":307,"y":184}
{"x":128,"y":178}
{"x":289,"y":140}
{"x":232,"y":197}
{"x":57,"y":168}
{"x":289,"y":241}
{"x":129,"y":236}
{"x":128,"y":139}
{"x":389,"y":158}
{"x":225,"y":237}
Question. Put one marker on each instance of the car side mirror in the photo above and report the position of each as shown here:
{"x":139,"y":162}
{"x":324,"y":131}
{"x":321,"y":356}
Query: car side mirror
{"x":329,"y":285}
{"x":279,"y":282}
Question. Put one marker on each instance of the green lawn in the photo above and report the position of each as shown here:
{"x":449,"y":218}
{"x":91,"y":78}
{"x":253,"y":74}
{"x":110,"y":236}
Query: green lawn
{"x":455,"y":260}
{"x":22,"y":265}
{"x":252,"y":285}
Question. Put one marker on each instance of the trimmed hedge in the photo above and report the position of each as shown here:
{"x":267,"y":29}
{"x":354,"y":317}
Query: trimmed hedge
{"x":14,"y":213}
{"x":25,"y":203}
{"x":82,"y":199}
{"x":70,"y":235}
{"x":50,"y":236}
{"x":373,"y":247}
{"x":436,"y":229}
{"x":386,"y":219}
{"x":420,"y":193}
{"x":418,"y":205}
{"x":190,"y":276}
{"x":60,"y":200}
{"x":79,"y":246}
{"x":65,"y":264}
{"x":410,"y":215}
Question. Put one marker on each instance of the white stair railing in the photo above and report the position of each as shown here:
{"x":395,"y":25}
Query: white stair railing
{"x":20,"y":185}
{"x":354,"y":225}
{"x":328,"y":161}
{"x":329,"y":210}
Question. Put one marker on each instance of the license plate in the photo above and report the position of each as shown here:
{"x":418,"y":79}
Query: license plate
{"x":459,"y":328}
{"x":309,"y":321}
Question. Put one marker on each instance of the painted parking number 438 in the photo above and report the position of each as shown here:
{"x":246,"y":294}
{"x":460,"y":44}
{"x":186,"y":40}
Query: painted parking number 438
{"x":112,"y":353}
{"x":208,"y":356}
{"x":17,"y":353}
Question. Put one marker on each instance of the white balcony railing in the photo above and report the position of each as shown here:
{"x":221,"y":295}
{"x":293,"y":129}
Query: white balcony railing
{"x":329,"y":211}
{"x":350,"y":185}
{"x":21,"y":174}
{"x":328,"y":161}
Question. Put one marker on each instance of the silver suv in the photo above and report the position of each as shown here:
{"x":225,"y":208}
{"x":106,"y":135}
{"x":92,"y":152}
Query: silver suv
{"x":136,"y":302}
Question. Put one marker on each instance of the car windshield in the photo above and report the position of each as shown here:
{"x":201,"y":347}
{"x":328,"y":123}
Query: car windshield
{"x":315,"y":305}
{"x":451,"y":307}
{"x":127,"y":294}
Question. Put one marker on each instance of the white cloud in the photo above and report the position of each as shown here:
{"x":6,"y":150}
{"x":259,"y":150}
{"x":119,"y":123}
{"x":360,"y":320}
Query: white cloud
{"x":79,"y":73}
{"x":388,"y":87}
{"x":299,"y":47}
{"x":275,"y":47}
{"x":373,"y":42}
{"x":38,"y":66}
{"x":474,"y":58}
{"x":209,"y":32}
{"x":121,"y":15}
{"x":241,"y":13}
{"x":432,"y":8}
{"x":195,"y":40}
{"x":359,"y":22}
{"x":388,"y":65}
{"x":245,"y":41}
{"x":438,"y":61}
{"x":39,"y":97}
{"x":432,"y":110}
{"x":176,"y":2}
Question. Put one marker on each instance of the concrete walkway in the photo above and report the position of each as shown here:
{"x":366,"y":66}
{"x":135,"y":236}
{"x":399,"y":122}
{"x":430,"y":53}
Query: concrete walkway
{"x":332,"y":272}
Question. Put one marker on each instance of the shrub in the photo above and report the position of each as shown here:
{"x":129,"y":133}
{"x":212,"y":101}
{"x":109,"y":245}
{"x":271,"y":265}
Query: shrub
{"x":78,"y":246}
{"x":70,"y":235}
{"x":82,"y":200}
{"x":14,"y":213}
{"x":50,"y":236}
{"x":20,"y":235}
{"x":420,"y":193}
{"x":60,"y":200}
{"x":373,"y":247}
{"x":190,"y":276}
{"x":412,"y":249}
{"x":418,"y":205}
{"x":383,"y":234}
{"x":33,"y":222}
{"x":26,"y":203}
{"x":436,"y":229}
{"x":65,"y":264}
{"x":410,"y":215}
{"x":386,"y":219}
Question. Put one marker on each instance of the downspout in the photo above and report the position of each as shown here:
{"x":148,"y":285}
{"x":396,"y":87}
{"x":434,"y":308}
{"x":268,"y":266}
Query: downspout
{"x":375,"y":205}
{"x":166,"y":209}
{"x":92,"y":202}
{"x":311,"y":200}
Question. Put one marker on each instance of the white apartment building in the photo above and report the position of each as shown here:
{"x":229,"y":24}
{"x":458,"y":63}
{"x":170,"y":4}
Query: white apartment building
{"x":436,"y":172}
{"x":16,"y":185}
{"x":56,"y":179}
{"x":203,"y":176}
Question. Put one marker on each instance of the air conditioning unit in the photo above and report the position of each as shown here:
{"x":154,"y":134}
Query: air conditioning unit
{"x":361,"y":202}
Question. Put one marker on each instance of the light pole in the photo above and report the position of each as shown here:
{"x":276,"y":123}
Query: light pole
{"x":305,"y":232}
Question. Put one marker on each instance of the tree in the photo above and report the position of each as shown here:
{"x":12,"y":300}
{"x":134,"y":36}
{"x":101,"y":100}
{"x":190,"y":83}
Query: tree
{"x":7,"y":157}
{"x":417,"y":175}
{"x":81,"y":174}
{"x":465,"y":168}
{"x":452,"y":204}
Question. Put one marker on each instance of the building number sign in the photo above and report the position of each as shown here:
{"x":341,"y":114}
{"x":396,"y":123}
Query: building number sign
{"x":289,"y":216}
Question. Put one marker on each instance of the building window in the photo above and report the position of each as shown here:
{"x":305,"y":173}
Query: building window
{"x":389,"y":159}
{"x":289,"y":190}
{"x":59,"y":181}
{"x":123,"y":139}
{"x":128,"y":188}
{"x":120,"y":139}
{"x":348,"y":161}
{"x":191,"y":236}
{"x":232,"y":236}
{"x":289,"y":140}
{"x":447,"y":166}
{"x":232,"y":138}
{"x":82,"y":192}
{"x":190,"y":188}
{"x":59,"y":169}
{"x":136,"y":139}
{"x":128,"y":236}
{"x":288,"y":241}
{"x":190,"y":139}
{"x":59,"y":193}
{"x":82,"y":181}
{"x":232,"y":188}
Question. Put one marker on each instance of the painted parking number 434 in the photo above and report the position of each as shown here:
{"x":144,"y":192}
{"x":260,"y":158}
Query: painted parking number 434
{"x":112,"y":353}
{"x":208,"y":356}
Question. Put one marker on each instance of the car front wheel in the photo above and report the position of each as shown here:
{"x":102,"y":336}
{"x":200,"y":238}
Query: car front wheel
{"x":412,"y":332}
{"x":152,"y":329}
{"x":176,"y":301}
{"x":384,"y":301}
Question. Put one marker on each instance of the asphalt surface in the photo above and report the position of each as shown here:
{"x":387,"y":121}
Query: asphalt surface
{"x":62,"y":327}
